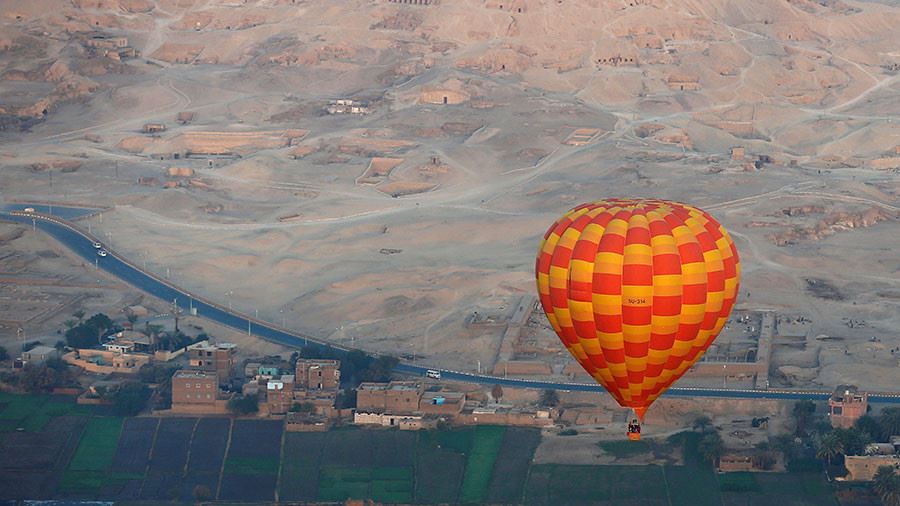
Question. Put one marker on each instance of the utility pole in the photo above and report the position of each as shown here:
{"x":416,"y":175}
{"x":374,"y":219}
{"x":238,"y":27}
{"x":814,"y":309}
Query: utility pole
{"x":175,"y":312}
{"x":248,"y":326}
{"x":117,"y":169}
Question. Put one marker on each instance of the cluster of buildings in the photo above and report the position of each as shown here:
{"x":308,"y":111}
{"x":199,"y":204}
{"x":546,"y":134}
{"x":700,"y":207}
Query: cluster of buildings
{"x":347,"y":106}
{"x":114,"y":47}
{"x":204,"y":386}
{"x":409,"y":405}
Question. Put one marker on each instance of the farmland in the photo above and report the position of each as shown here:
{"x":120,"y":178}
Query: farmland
{"x":78,"y":454}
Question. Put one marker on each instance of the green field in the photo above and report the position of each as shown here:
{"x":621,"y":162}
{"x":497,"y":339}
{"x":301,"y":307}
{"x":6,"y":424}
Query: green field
{"x":797,"y":489}
{"x":97,"y":446}
{"x":483,"y":464}
{"x":553,"y":484}
{"x":480,"y":463}
{"x":89,"y":482}
{"x":248,"y":465}
{"x":33,"y":412}
{"x":383,"y":484}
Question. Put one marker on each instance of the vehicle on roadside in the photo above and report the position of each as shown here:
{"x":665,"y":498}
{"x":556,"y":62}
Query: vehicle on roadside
{"x":431,"y":373}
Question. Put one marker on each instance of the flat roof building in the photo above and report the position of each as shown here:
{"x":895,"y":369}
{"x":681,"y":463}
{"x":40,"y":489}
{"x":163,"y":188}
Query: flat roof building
{"x":396,"y":397}
{"x":218,"y":358}
{"x":846,"y":406}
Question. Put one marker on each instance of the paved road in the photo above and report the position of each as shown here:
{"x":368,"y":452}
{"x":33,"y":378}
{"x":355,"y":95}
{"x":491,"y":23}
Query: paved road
{"x":81,"y":243}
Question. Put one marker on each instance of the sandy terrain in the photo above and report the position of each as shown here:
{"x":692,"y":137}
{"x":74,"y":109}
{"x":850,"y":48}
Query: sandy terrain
{"x":545,"y":108}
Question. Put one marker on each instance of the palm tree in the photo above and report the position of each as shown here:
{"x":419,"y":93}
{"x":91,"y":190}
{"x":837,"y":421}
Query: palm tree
{"x":890,"y":422}
{"x":882,"y":481}
{"x":887,"y":485}
{"x":830,"y":447}
{"x":711,"y":447}
{"x":79,"y":314}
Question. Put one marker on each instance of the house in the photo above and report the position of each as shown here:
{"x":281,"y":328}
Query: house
{"x":396,"y":397}
{"x":184,"y":117}
{"x":683,"y":82}
{"x":218,"y":358}
{"x":442,"y":403}
{"x":864,"y":467}
{"x":106,"y":361}
{"x":38,"y":355}
{"x":154,"y":128}
{"x":197,"y":392}
{"x":733,"y":462}
{"x":314,"y":374}
{"x":128,"y":341}
{"x":403,"y":422}
{"x":280,"y":394}
{"x":846,"y":406}
{"x":306,"y":422}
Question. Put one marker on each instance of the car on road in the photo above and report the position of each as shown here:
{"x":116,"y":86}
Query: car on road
{"x":102,"y":252}
{"x":29,"y":209}
{"x":97,"y":245}
{"x":431,"y":373}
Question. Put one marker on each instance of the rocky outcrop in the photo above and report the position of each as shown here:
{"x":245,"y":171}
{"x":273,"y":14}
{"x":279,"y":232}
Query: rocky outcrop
{"x":831,"y":224}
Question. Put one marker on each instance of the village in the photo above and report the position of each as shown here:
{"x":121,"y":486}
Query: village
{"x":151,"y":371}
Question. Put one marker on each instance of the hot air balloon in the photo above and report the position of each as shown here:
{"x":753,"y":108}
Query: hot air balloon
{"x":637,"y":290}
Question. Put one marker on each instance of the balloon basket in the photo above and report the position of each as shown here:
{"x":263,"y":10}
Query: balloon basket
{"x":634,"y":436}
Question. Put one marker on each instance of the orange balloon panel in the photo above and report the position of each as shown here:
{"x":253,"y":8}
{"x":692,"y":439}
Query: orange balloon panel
{"x":637,"y":290}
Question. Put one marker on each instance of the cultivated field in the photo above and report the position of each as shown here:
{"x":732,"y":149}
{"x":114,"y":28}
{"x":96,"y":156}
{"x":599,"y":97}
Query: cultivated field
{"x":81,"y":455}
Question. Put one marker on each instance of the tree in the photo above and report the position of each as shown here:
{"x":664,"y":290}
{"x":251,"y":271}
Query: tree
{"x":130,"y":398}
{"x":870,"y":426}
{"x":803,"y":411}
{"x":711,"y":447}
{"x":303,"y":407}
{"x":79,"y":315}
{"x":830,"y":446}
{"x":60,"y":346}
{"x":41,"y":378}
{"x":549,"y":398}
{"x":132,"y":319}
{"x":887,"y":485}
{"x":81,"y":336}
{"x":853,"y":440}
{"x":380,"y":369}
{"x":702,"y":423}
{"x":346,"y":398}
{"x":497,"y":393}
{"x":202,"y":493}
{"x":4,"y":355}
{"x":763,"y":459}
{"x":70,"y":323}
{"x":890,"y":422}
{"x":785,"y":444}
{"x":244,"y":405}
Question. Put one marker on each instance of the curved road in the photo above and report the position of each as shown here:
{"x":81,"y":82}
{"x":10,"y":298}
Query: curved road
{"x":81,"y":243}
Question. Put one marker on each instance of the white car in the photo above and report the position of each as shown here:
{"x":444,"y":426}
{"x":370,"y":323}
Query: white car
{"x":103,"y":252}
{"x":431,"y":373}
{"x":29,"y":209}
{"x":97,"y":245}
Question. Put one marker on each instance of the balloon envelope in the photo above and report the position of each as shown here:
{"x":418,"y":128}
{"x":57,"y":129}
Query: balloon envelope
{"x":637,"y":290}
